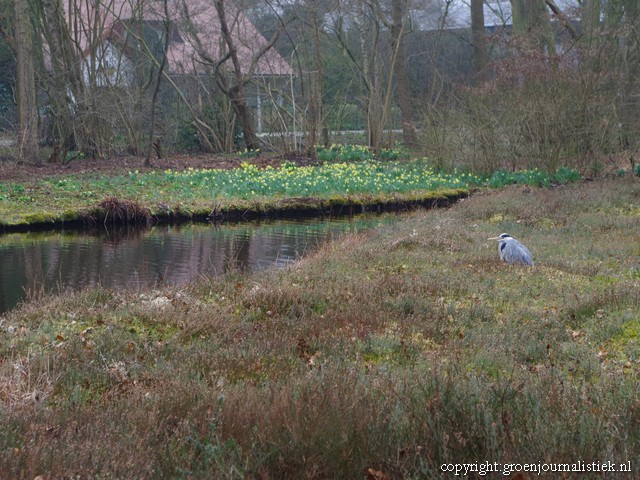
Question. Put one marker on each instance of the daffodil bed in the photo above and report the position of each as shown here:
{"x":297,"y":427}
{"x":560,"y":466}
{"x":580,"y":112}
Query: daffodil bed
{"x":248,"y":189}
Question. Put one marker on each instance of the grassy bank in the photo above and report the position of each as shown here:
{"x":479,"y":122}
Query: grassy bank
{"x":382,"y":355}
{"x":249,"y":190}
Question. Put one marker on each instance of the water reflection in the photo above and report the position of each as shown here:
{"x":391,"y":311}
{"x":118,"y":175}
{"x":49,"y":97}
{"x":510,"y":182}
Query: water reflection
{"x":163,"y":255}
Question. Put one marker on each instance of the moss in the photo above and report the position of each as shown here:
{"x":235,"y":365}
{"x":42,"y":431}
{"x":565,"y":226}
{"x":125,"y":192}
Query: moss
{"x":141,"y":326}
{"x":625,"y":344}
{"x":70,"y":216}
{"x":40,"y":217}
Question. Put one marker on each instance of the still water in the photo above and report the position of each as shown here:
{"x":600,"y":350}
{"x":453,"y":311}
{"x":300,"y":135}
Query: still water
{"x":162,"y":255}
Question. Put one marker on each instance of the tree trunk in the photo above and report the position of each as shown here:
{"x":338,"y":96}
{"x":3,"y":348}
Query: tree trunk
{"x":26,"y":85}
{"x":398,"y":8}
{"x":315,"y":113}
{"x":372,"y":99}
{"x":237,"y":93}
{"x":152,"y":143}
{"x":531,"y":22}
{"x":480,"y":55}
{"x":591,"y":16}
{"x":239,"y":104}
{"x":624,"y":16}
{"x":65,"y":79}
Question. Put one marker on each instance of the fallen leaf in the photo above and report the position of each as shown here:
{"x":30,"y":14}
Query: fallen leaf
{"x":376,"y":475}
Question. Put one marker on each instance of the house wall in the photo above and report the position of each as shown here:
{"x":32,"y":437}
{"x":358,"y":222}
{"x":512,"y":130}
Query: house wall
{"x":108,"y":68}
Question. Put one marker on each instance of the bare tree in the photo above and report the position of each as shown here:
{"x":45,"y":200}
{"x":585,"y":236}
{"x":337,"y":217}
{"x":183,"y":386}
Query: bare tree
{"x":231,"y":79}
{"x":480,"y":54}
{"x":152,"y":143}
{"x":315,"y":103}
{"x":79,"y":122}
{"x":26,"y":86}
{"x":378,"y":63}
{"x":365,"y":56}
{"x":235,"y":89}
{"x":621,"y":40}
{"x":399,"y":12}
{"x":531,"y":21}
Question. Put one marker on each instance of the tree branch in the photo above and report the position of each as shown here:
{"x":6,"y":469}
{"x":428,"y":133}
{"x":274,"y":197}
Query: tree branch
{"x":8,"y":38}
{"x":563,"y":18}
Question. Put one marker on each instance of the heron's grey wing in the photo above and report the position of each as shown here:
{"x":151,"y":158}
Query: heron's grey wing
{"x":515,"y":252}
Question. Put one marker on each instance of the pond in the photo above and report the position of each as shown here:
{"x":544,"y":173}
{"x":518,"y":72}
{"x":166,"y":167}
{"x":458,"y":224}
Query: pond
{"x":55,"y":261}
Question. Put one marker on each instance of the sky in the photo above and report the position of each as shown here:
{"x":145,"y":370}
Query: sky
{"x":458,"y":13}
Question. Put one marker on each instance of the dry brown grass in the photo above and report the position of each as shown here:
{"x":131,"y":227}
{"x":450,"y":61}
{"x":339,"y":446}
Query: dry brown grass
{"x":121,"y":211}
{"x":393,"y":351}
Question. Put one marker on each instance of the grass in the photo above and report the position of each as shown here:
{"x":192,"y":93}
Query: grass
{"x":354,"y":152}
{"x":248,"y":189}
{"x":383,"y":355}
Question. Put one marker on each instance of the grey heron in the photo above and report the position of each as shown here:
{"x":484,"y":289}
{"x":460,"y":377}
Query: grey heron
{"x":512,"y":251}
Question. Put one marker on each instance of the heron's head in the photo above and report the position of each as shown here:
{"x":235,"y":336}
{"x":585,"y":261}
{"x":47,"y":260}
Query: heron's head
{"x":501,"y":237}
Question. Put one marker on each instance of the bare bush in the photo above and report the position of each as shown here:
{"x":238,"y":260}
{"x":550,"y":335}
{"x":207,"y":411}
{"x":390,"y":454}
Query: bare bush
{"x":534,"y":113}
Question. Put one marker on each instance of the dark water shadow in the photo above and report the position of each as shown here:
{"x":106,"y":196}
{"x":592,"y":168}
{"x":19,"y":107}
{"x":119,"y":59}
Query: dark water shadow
{"x":137,"y":258}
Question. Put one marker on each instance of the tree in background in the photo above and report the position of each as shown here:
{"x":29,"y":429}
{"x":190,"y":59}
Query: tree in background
{"x":315,"y":78}
{"x":562,"y":83}
{"x":231,"y":72}
{"x":399,"y":17}
{"x":480,"y":54}
{"x":235,"y":88}
{"x":79,"y":121}
{"x":621,"y":41}
{"x":358,"y":28}
{"x":531,"y":24}
{"x":23,"y":43}
{"x":152,"y":143}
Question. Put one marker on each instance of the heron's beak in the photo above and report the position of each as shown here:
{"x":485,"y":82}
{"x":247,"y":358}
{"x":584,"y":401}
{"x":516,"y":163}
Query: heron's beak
{"x":494,"y":238}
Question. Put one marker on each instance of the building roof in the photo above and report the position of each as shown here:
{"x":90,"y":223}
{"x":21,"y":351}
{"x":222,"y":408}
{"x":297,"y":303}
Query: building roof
{"x":195,"y":32}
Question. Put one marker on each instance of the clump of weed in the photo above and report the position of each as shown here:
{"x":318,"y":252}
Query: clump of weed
{"x":116,"y":210}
